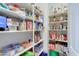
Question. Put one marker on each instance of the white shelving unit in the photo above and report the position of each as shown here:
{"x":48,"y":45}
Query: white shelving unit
{"x":58,"y":22}
{"x":55,"y":20}
{"x":9,"y":13}
{"x":38,"y":21}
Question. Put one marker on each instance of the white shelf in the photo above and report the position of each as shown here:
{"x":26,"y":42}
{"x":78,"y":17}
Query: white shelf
{"x":37,"y":54}
{"x":58,"y":22}
{"x":38,"y":21}
{"x":10,"y":13}
{"x":15,"y":31}
{"x":30,"y":18}
{"x":24,"y":50}
{"x":38,"y":42}
{"x":38,"y":30}
{"x":57,"y":30}
{"x":58,"y":14}
{"x":61,"y":41}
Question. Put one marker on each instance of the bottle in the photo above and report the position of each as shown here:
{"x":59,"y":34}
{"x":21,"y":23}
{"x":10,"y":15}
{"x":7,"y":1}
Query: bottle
{"x":60,"y":26}
{"x":65,"y":37}
{"x":62,"y":36}
{"x":65,"y":9}
{"x":22,"y":25}
{"x":55,"y":11}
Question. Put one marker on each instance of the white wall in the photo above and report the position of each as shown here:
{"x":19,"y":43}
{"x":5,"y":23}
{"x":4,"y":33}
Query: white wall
{"x":74,"y":29}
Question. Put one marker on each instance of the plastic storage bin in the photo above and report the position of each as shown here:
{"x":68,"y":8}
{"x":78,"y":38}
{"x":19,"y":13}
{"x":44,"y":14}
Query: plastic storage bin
{"x":28,"y":53}
{"x":3,"y":21}
{"x":43,"y":54}
{"x":53,"y":53}
{"x":4,"y":6}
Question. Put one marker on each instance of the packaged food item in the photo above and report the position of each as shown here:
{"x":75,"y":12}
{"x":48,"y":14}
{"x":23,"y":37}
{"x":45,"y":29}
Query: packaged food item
{"x":11,"y":52}
{"x":61,"y":18}
{"x":64,"y":27}
{"x":42,"y":18}
{"x":12,"y":22}
{"x":59,"y":37}
{"x":38,"y":48}
{"x":22,"y":13}
{"x":13,"y":7}
{"x":30,"y":14}
{"x":4,"y":6}
{"x":37,"y":25}
{"x":57,"y":47}
{"x":25,"y":43}
{"x":37,"y":17}
{"x":18,"y":48}
{"x":5,"y":51}
{"x":12,"y":49}
{"x":3,"y":23}
{"x":65,"y":9}
{"x":66,"y":49}
{"x":65,"y":37}
{"x":61,"y":26}
{"x":37,"y":36}
{"x":54,"y":19}
{"x":41,"y":26}
{"x":53,"y":36}
{"x":12,"y":28}
{"x":9,"y":21}
{"x":2,"y":29}
{"x":22,"y":25}
{"x":1,"y":52}
{"x":55,"y":11}
{"x":29,"y":25}
{"x":62,"y":36}
{"x":52,"y":46}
